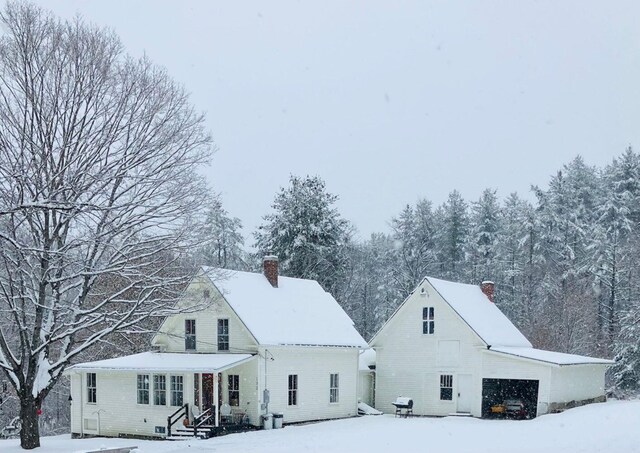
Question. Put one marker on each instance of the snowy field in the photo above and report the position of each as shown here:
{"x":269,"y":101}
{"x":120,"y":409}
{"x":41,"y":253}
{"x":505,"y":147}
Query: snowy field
{"x":606,"y":427}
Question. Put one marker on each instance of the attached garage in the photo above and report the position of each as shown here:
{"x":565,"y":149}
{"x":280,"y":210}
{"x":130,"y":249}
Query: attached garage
{"x":500,"y":395}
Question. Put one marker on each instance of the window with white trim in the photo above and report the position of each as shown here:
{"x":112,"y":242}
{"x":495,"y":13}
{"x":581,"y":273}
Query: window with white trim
{"x":92,"y":388}
{"x":293,"y":390}
{"x":333,"y":388}
{"x":159,"y":390}
{"x":223,"y":334}
{"x":177,"y":390}
{"x":143,"y":389}
{"x":190,"y":334}
{"x":234,"y":390}
{"x":446,"y":387}
{"x":428,"y":321}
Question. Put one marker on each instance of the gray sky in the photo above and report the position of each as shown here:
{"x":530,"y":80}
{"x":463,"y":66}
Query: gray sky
{"x":390,"y":102}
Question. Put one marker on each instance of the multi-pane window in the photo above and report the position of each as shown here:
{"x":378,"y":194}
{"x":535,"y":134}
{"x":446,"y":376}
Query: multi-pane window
{"x":293,"y":390}
{"x":446,"y":387}
{"x":333,"y":388}
{"x":428,"y":321}
{"x":223,"y":334}
{"x":234,"y":390}
{"x":159,"y":390}
{"x":190,"y":334}
{"x":177,"y":389}
{"x":92,"y":388}
{"x":143,"y":389}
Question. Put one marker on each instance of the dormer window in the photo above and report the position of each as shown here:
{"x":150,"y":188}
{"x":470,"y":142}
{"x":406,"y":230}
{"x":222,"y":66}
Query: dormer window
{"x":223,"y":334}
{"x":428,"y":321}
{"x":190,"y":334}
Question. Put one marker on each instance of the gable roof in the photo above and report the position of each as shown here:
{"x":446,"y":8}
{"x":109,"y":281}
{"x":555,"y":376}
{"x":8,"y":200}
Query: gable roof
{"x":482,"y":315}
{"x":297,"y":312}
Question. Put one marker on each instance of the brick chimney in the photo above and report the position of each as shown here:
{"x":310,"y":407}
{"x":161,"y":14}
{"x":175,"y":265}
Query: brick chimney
{"x":487,"y":289}
{"x":270,"y":268}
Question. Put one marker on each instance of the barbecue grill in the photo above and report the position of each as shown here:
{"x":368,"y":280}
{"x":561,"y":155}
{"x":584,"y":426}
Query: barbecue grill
{"x":405,"y":404}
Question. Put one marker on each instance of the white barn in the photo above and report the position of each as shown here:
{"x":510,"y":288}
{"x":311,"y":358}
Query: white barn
{"x":451,"y":349}
{"x":265,"y":343}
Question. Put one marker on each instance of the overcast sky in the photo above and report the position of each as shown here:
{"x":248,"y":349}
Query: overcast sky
{"x":392,"y":101}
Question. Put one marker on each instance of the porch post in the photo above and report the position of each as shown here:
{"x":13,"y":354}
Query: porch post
{"x":215,"y":398}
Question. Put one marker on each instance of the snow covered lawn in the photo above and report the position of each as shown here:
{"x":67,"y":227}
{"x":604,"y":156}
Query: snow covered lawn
{"x":606,"y":427}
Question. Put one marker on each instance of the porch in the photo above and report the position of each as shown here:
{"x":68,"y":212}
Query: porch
{"x":157,"y":394}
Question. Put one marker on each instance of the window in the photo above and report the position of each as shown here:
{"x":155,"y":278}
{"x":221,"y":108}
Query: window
{"x":190,"y":334}
{"x":293,"y":390}
{"x":92,"y":388}
{"x":333,"y":388}
{"x":446,"y":387}
{"x":428,"y":323}
{"x":159,"y":390}
{"x":143,"y":389}
{"x":177,"y":387}
{"x":223,"y":334}
{"x":234,"y":390}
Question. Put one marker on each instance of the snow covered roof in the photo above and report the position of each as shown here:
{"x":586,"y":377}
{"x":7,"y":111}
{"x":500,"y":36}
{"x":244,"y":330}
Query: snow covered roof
{"x":557,"y":358}
{"x":297,"y":312}
{"x":483,"y":316}
{"x":367,"y":359}
{"x":167,"y":361}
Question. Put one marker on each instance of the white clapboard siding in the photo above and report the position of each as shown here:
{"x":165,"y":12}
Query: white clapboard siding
{"x":172,"y":332}
{"x":408,"y":362}
{"x":313,"y":366}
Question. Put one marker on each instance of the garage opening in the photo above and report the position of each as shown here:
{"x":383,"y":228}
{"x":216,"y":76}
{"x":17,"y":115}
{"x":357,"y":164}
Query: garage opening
{"x":509,"y":398}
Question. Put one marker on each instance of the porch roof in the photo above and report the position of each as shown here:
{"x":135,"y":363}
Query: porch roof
{"x":166,"y":361}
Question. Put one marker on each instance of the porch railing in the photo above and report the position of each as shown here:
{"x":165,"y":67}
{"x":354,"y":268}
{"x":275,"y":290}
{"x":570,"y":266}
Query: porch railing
{"x":203,"y":419}
{"x":172,"y":419}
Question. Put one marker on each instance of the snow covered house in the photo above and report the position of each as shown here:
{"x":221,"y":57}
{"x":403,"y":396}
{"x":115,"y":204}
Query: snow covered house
{"x":451,"y":349}
{"x":263,"y":344}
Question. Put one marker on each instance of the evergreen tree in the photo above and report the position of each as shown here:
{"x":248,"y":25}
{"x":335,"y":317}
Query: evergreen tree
{"x":452,"y":221}
{"x":223,"y":240}
{"x":307,"y":233}
{"x":482,"y":243}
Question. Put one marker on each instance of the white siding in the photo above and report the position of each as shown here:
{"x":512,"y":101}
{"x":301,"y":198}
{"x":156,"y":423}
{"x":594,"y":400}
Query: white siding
{"x":408,"y":362}
{"x":577,"y":382}
{"x":313,"y":366}
{"x":172,"y":331}
{"x":499,"y":366}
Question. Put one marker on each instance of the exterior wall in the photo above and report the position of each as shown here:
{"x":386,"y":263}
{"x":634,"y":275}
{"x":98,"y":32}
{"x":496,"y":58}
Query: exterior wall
{"x":117,"y":410}
{"x":249,"y":390}
{"x":366,"y":387}
{"x":313,"y":365}
{"x":577,"y":383}
{"x":171,"y":333}
{"x":409,"y":363}
{"x":500,"y":366}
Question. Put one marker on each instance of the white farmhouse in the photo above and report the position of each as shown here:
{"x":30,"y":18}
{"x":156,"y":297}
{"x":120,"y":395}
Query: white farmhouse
{"x":450,"y":349}
{"x":264,"y":343}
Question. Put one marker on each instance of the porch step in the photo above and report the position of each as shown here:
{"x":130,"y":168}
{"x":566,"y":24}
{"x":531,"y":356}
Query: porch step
{"x":460,"y":414}
{"x":187,"y":433}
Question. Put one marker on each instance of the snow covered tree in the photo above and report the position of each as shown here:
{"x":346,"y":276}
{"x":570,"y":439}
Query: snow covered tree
{"x":482,"y":242}
{"x":98,"y":190}
{"x":415,"y":256}
{"x":222,"y":239}
{"x":452,"y":220}
{"x":307,"y":233}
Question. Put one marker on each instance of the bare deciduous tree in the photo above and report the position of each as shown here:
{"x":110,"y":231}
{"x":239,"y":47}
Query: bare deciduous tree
{"x":98,"y":183}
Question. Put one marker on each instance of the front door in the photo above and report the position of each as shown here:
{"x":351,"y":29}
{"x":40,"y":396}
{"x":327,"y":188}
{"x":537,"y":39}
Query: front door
{"x":465,"y":393}
{"x":207,"y":391}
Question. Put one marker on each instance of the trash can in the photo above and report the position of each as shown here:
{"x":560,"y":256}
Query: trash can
{"x":277,"y":420}
{"x":267,"y":421}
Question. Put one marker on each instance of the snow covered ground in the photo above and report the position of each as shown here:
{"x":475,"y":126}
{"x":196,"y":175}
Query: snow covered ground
{"x":606,"y":427}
